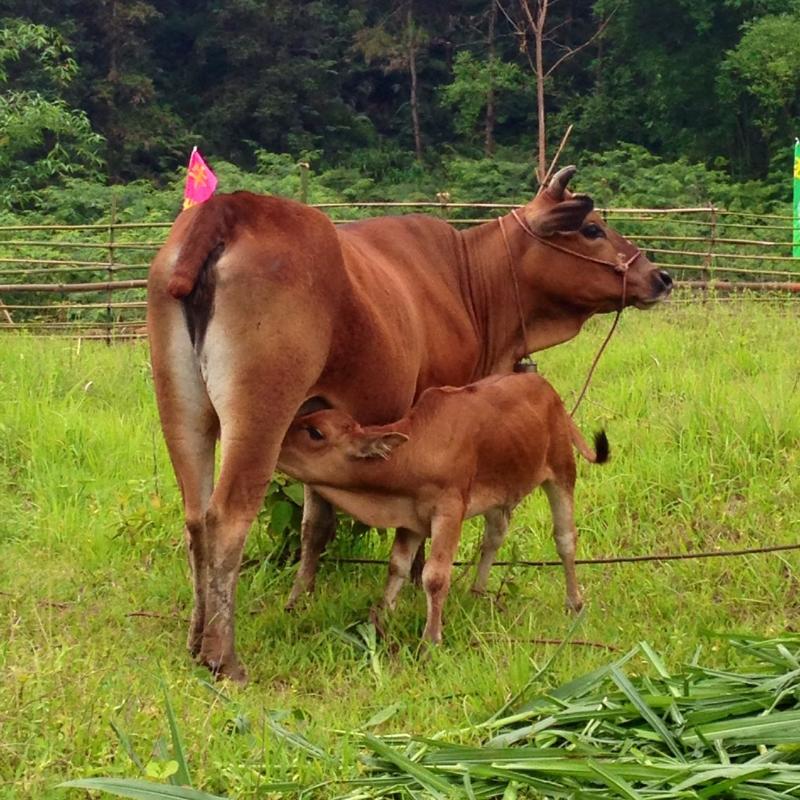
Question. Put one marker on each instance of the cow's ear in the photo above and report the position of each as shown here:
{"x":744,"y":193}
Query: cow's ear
{"x":564,"y":217}
{"x":378,"y":445}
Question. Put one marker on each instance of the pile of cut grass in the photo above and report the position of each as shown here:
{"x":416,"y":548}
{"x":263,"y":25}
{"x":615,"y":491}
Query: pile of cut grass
{"x":701,"y":733}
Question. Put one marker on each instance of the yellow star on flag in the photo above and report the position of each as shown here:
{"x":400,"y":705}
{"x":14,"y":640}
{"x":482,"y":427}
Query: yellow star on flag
{"x":198,"y":174}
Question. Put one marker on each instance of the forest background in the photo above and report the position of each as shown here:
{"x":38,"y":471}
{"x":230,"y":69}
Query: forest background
{"x":680,"y":102}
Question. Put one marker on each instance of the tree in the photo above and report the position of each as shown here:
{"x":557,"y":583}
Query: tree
{"x":397,"y":44}
{"x":759,"y":80}
{"x":42,"y":139}
{"x":474,"y":90}
{"x":531,"y":23}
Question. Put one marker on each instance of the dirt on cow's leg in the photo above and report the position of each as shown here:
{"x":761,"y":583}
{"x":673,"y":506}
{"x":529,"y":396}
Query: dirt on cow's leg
{"x":445,"y":534}
{"x":493,"y":536}
{"x":418,"y":565}
{"x":566,"y":535}
{"x":318,"y":528}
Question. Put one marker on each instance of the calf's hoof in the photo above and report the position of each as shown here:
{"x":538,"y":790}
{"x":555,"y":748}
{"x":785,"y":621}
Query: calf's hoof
{"x":298,"y":590}
{"x":574,"y":605}
{"x":376,"y":617}
{"x":290,"y":605}
{"x":432,"y":637}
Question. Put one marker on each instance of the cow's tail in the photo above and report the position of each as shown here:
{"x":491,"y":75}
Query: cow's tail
{"x":207,"y":234}
{"x":601,"y":450}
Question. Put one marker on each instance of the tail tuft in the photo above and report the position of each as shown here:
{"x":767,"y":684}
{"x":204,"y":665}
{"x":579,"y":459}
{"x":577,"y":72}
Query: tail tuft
{"x":601,"y":447}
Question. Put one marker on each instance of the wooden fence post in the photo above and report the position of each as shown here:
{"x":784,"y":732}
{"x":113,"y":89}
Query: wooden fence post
{"x":708,"y":264}
{"x":111,"y":234}
{"x":6,"y":314}
{"x":305,"y":168}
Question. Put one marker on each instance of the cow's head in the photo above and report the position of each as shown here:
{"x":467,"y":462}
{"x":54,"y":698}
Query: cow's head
{"x":568,"y":222}
{"x":323,"y":447}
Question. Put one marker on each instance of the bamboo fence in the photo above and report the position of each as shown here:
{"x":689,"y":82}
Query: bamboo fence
{"x":89,"y":280}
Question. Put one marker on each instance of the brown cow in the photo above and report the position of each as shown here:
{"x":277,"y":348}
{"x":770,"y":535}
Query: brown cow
{"x":259,"y":305}
{"x":475,"y":450}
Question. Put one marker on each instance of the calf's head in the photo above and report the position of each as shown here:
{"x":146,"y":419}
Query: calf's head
{"x":587,"y":258}
{"x":326,"y":447}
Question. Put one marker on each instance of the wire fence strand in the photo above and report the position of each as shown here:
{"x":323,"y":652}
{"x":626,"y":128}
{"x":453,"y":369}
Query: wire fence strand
{"x":649,"y":557}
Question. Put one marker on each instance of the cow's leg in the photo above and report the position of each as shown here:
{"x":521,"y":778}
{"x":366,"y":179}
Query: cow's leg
{"x":197,"y":484}
{"x":445,"y":533}
{"x":255,"y":409}
{"x":566,"y":536}
{"x":493,"y":536}
{"x":190,"y":426}
{"x":318,"y":528}
{"x":250,"y":445}
{"x":407,"y":544}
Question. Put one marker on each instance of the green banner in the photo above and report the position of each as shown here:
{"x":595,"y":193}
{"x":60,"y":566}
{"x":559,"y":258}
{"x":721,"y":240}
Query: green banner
{"x":796,"y":202}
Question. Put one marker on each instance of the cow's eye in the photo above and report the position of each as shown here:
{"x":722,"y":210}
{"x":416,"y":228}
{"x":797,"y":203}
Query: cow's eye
{"x":315,"y":433}
{"x":592,"y":231}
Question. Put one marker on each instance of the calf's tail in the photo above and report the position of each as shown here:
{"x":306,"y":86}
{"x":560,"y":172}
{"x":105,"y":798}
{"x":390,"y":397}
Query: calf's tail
{"x":601,"y":451}
{"x":207,"y":234}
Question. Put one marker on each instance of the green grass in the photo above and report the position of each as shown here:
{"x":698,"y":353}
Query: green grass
{"x":702,"y":407}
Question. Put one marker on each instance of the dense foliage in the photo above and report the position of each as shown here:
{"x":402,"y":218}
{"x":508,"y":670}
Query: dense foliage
{"x":397,"y":95}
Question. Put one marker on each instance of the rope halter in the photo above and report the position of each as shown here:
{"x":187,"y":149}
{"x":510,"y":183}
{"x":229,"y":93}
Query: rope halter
{"x":620,"y":266}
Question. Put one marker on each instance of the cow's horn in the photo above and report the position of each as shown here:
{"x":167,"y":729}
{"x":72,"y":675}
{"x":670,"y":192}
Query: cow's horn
{"x":559,"y":182}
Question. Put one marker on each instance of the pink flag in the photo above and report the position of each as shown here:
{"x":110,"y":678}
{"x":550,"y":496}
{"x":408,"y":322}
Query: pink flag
{"x":200,"y":181}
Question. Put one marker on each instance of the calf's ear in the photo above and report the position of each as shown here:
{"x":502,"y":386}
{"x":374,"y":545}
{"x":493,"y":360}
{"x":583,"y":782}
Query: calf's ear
{"x":378,"y":445}
{"x":564,"y":217}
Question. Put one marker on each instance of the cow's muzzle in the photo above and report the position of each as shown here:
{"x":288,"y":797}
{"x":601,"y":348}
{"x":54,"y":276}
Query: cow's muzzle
{"x":663,"y":281}
{"x":660,"y":289}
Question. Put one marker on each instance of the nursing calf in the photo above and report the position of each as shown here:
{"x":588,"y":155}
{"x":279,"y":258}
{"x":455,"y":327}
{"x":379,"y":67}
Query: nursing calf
{"x":459,"y":452}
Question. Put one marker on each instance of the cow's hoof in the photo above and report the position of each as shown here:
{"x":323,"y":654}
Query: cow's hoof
{"x":477,"y":591}
{"x":193,"y":645}
{"x":231,"y":671}
{"x":236,"y":673}
{"x":223,"y":667}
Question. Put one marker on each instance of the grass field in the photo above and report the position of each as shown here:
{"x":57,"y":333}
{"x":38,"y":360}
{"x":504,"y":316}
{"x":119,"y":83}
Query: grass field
{"x":702,"y":407}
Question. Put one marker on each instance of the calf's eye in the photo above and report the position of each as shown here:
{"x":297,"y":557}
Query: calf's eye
{"x":315,"y":433}
{"x":592,"y":231}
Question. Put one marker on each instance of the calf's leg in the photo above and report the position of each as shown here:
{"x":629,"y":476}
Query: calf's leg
{"x":445,"y":533}
{"x":318,"y":528}
{"x":407,"y":544}
{"x":566,"y":536}
{"x":418,"y":564}
{"x":497,"y":520}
